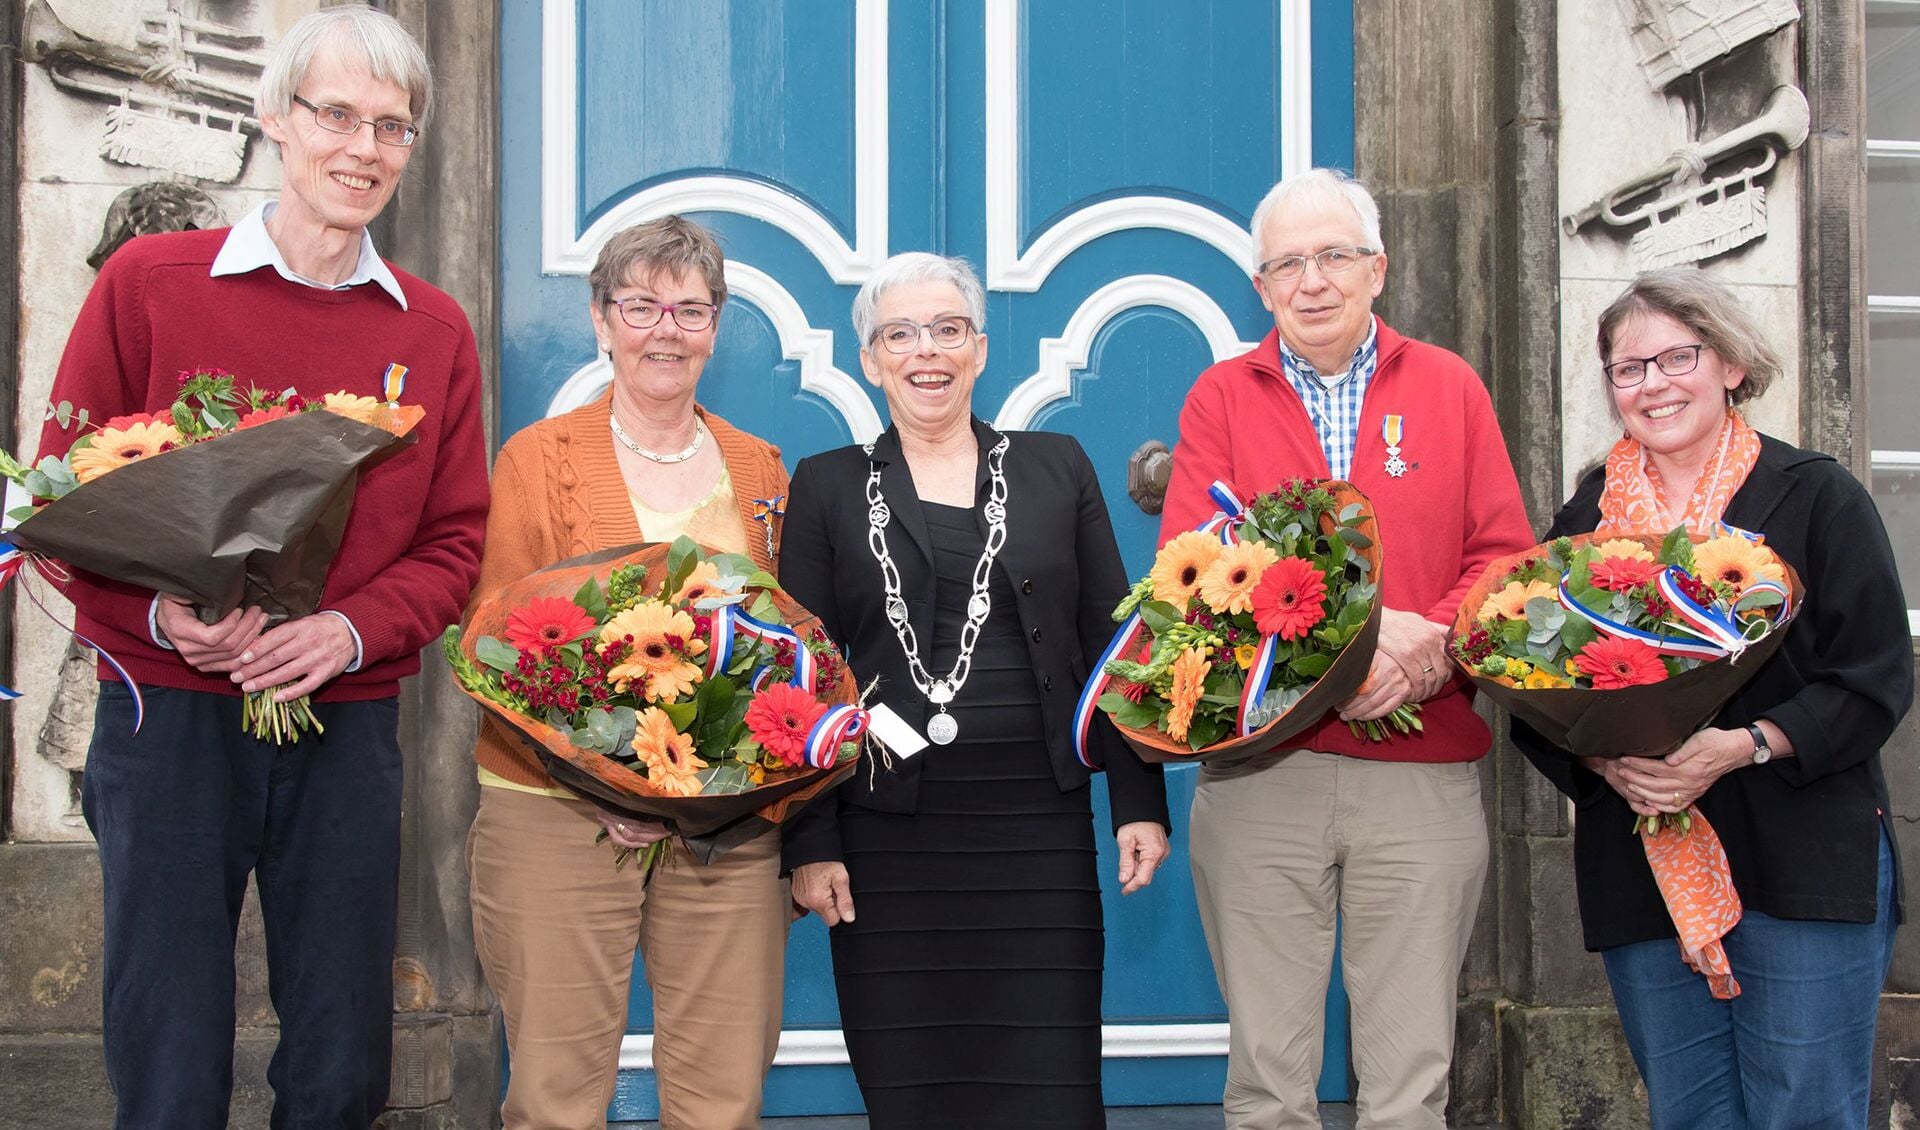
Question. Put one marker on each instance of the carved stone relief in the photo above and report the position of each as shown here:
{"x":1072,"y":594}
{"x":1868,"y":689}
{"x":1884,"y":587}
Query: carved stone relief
{"x":1678,"y":37}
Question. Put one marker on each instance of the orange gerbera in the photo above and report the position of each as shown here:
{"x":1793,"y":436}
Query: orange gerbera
{"x":351,"y":406}
{"x":265,"y":415}
{"x":1622,"y":547}
{"x":1510,"y":603}
{"x":667,"y":754}
{"x":547,"y":622}
{"x":1227,"y":585}
{"x":124,"y":440}
{"x":703,"y":582}
{"x":1618,"y":574}
{"x":1734,"y":563}
{"x":1189,"y":679}
{"x":1178,"y":565}
{"x":663,"y":641}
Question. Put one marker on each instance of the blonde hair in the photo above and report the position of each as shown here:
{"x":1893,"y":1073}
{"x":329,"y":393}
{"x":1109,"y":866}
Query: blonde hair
{"x":670,"y":245}
{"x":1709,"y":311}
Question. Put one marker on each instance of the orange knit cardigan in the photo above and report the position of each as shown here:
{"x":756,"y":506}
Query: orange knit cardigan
{"x":558,"y":493}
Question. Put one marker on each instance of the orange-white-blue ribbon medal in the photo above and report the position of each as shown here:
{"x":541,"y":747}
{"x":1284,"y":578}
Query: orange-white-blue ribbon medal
{"x":1391,"y":430}
{"x":394,"y":382}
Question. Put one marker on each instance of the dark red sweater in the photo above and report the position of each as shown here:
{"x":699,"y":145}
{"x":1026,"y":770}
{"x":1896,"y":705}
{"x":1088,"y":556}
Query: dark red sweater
{"x":1457,"y":508}
{"x":411,"y":550}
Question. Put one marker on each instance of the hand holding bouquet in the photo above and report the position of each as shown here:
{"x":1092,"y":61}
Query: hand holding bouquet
{"x":230,"y":497}
{"x":1249,"y":629}
{"x":666,"y":683}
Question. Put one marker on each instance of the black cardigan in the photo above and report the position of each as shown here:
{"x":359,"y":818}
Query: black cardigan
{"x":1801,"y":833}
{"x":1060,"y":558}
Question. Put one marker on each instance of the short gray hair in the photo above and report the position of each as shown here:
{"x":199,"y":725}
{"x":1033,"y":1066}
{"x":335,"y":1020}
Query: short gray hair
{"x":1709,"y":311}
{"x":911,"y":267}
{"x":1325,"y":187}
{"x":668,"y":245}
{"x":361,"y":35}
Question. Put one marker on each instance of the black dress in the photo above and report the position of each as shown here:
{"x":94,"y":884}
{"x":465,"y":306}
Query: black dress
{"x":969,"y":982}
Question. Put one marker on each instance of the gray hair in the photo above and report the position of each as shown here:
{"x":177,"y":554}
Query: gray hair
{"x":911,"y":267}
{"x":669,"y":245}
{"x":1709,"y":311}
{"x":1322,"y":188}
{"x":361,"y":35}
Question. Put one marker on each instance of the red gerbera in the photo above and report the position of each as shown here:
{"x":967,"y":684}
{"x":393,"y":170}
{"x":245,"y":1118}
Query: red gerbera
{"x":268,"y":414}
{"x":780,"y":717}
{"x":547,"y":622}
{"x":1619,"y":574}
{"x":1615,"y":663}
{"x":1288,"y":600}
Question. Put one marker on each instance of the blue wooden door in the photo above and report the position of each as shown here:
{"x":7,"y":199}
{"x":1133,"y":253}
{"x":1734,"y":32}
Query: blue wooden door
{"x":1097,"y":160}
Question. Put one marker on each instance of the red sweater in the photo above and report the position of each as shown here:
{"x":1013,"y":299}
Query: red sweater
{"x":411,"y":549}
{"x":1457,"y":508}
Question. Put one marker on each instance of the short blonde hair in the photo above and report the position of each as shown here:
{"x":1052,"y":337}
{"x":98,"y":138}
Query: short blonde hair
{"x":1327,"y":187}
{"x":361,"y":35}
{"x":1709,"y":311}
{"x":670,"y":245}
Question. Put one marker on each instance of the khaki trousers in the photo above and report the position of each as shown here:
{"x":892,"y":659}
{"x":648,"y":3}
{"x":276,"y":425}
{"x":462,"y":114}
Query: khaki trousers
{"x":1284,"y":843}
{"x":556,"y":927}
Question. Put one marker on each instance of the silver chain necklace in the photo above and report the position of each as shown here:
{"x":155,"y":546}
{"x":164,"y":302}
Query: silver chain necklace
{"x":680,"y":456}
{"x":941,"y":728}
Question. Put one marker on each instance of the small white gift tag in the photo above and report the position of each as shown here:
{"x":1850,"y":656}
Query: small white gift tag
{"x":894,"y":732}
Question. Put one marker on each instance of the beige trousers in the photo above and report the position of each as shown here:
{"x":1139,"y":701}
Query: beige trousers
{"x":1282,"y":844}
{"x":556,"y":927}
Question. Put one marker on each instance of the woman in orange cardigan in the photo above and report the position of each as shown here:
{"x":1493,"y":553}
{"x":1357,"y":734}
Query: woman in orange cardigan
{"x":555,"y":924}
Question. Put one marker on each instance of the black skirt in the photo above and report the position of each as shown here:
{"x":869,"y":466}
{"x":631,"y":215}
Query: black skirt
{"x":969,"y":981}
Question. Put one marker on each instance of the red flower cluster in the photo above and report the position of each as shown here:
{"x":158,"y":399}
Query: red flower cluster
{"x":544,"y":680}
{"x":1474,"y":647}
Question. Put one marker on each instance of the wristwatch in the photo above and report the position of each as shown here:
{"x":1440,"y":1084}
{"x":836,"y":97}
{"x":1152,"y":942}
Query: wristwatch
{"x":1762,"y":752}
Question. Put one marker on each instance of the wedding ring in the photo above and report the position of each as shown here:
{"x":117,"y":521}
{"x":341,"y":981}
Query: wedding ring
{"x":1426,"y":669}
{"x":622,"y":828}
{"x":1676,"y":800}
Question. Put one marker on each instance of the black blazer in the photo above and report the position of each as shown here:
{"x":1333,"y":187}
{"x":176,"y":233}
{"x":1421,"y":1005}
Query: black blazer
{"x":1802,"y":833}
{"x":1060,"y":558}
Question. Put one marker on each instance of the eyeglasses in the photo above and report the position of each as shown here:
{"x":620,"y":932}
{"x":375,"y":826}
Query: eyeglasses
{"x":950,"y":332}
{"x":1675,"y":362}
{"x":338,"y":119}
{"x":644,"y":315}
{"x":1331,"y":262}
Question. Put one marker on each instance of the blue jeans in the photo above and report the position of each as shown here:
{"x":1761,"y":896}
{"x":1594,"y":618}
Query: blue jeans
{"x":183,"y":811}
{"x":1794,"y":1049}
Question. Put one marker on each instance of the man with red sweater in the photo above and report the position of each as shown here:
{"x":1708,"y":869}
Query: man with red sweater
{"x":292,"y":295}
{"x":1385,"y":838}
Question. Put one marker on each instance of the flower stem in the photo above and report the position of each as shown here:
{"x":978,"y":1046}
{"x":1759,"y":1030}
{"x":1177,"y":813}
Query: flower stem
{"x":278,"y":722}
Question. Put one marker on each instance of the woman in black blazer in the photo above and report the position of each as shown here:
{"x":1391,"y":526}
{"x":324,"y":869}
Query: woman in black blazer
{"x":969,"y":576}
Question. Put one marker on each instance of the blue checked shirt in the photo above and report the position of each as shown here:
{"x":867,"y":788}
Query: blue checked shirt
{"x":1333,"y":403}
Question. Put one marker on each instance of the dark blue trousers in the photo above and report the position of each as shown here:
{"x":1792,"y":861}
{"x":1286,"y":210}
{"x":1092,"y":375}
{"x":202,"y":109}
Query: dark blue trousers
{"x":182,"y":813}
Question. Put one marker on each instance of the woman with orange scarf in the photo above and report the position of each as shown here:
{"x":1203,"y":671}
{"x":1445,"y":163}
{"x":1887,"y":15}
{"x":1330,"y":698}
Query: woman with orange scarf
{"x":1783,"y":894}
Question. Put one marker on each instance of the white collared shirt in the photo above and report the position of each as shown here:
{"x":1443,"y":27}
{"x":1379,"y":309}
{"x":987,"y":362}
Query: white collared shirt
{"x":249,"y":247}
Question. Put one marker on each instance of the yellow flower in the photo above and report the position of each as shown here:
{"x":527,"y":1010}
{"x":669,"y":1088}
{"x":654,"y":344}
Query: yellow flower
{"x":124,"y":440}
{"x":1227,"y":585}
{"x":351,"y":406}
{"x":1510,"y":603}
{"x":1572,"y":669}
{"x":1542,"y":679}
{"x":1621,"y":547}
{"x":703,"y":582}
{"x":1189,"y":679}
{"x":1178,"y":565}
{"x":1735,"y":563}
{"x":1518,"y":668}
{"x":667,"y":754}
{"x":1245,"y":654}
{"x":662,"y":641}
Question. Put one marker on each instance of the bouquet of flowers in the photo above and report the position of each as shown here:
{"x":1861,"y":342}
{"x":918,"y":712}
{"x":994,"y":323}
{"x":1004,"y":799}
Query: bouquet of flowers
{"x":1249,"y":629}
{"x":667,"y":683}
{"x":229,"y":497}
{"x":1624,"y":645}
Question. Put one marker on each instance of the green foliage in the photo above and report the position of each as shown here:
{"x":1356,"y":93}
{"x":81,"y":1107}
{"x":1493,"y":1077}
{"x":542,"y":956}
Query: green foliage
{"x":496,"y":653}
{"x":593,"y":600}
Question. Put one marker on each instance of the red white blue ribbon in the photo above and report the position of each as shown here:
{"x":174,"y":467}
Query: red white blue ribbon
{"x":11,"y":562}
{"x":1083,"y":712}
{"x":1227,"y":519}
{"x":1710,"y":633}
{"x":837,"y":726}
{"x":729,"y":622}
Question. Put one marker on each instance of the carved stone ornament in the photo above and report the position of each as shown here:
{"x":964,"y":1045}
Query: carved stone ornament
{"x":180,"y":89}
{"x":156,"y":206}
{"x":1677,"y":37}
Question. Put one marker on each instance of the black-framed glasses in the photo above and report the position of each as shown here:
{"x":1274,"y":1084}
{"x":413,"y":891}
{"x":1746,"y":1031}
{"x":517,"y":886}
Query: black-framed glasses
{"x":1332,"y":261}
{"x":339,"y":119}
{"x":644,"y":314}
{"x":950,"y":332}
{"x":1677,"y":361}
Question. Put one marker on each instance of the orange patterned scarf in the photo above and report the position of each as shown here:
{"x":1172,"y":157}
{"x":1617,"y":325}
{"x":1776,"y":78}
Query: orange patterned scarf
{"x":1690,"y":867}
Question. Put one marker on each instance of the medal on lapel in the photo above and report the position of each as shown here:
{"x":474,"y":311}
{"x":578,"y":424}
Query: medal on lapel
{"x":1390,"y":430}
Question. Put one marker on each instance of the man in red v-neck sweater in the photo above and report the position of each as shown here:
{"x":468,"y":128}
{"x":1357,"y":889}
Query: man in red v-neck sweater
{"x":190,"y":805}
{"x":1386,"y":838}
